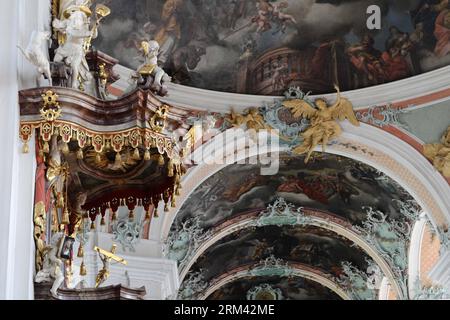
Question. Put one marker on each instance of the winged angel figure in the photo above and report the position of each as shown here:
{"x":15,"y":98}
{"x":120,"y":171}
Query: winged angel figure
{"x":323,"y":121}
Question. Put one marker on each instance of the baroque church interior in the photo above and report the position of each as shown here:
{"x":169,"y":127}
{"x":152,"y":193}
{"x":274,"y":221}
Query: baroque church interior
{"x":225,"y":150}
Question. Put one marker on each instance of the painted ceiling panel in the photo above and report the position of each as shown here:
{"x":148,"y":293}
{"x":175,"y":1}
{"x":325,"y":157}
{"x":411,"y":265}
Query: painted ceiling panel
{"x":282,"y":288}
{"x":264,"y":46}
{"x":312,"y":246}
{"x":332,"y":183}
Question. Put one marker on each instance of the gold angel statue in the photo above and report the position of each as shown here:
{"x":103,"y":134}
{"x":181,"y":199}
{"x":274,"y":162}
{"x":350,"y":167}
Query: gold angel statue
{"x":323,"y":121}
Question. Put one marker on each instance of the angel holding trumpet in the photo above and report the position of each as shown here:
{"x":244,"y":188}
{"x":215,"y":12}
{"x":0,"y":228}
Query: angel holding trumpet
{"x":323,"y":121}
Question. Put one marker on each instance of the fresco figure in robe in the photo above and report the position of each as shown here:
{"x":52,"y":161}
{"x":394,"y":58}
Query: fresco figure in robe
{"x":169,"y":34}
{"x":366,"y":59}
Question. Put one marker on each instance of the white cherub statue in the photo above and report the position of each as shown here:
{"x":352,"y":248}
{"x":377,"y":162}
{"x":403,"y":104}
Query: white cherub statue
{"x":150,"y":50}
{"x":53,"y":266}
{"x":36,"y":55}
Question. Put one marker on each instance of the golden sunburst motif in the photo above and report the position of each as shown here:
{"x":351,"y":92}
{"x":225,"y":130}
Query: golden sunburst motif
{"x":111,"y":161}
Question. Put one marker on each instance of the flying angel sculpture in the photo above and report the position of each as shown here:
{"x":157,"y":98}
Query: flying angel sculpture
{"x":323,"y":121}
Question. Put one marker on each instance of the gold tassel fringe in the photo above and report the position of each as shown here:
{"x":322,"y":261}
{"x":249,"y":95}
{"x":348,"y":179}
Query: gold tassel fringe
{"x":136,"y":155}
{"x":80,"y":251}
{"x":83,"y":271}
{"x":147,"y":155}
{"x":65,"y":218}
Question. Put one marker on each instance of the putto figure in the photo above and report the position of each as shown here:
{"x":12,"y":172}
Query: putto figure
{"x":53,"y":266}
{"x":150,"y":50}
{"x":323,"y":127}
{"x":439,"y":154}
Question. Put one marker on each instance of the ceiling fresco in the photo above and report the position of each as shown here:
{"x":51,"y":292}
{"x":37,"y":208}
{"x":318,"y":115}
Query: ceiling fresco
{"x":264,"y":46}
{"x":308,"y":245}
{"x":328,"y":182}
{"x":280,"y":288}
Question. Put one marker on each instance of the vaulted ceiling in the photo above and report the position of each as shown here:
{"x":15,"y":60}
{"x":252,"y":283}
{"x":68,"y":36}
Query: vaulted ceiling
{"x":332,"y":183}
{"x":273,"y":287}
{"x":332,"y":187}
{"x":317,"y":248}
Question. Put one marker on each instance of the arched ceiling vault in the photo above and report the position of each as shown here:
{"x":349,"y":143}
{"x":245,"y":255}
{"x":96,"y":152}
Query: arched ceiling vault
{"x":291,"y":271}
{"x":280,"y":288}
{"x":214,"y":210}
{"x":313,"y":217}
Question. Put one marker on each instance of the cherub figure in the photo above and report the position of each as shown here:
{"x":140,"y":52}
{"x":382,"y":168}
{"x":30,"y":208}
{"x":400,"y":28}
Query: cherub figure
{"x":439,"y":154}
{"x":264,"y":17}
{"x":282,"y":17}
{"x":252,"y":119}
{"x":53,"y":266}
{"x":150,"y":50}
{"x":323,"y":127}
{"x":279,"y":76}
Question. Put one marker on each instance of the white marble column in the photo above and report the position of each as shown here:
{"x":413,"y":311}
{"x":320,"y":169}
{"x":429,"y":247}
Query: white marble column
{"x":19,"y":18}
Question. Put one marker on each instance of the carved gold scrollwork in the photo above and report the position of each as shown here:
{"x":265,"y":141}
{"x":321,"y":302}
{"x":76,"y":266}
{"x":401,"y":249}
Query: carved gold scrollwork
{"x":158,"y":120}
{"x":102,"y":74}
{"x":134,"y":137}
{"x":51,"y":110}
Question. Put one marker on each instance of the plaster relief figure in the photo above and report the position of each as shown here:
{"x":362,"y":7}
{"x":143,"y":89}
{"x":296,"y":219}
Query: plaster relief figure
{"x":150,"y":50}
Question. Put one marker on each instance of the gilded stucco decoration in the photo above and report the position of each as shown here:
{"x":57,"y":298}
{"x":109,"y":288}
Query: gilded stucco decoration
{"x":323,"y":126}
{"x":439,"y":154}
{"x":307,"y":124}
{"x":50,"y":110}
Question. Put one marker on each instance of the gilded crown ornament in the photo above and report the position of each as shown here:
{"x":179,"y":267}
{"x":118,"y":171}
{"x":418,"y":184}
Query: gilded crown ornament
{"x":51,"y":110}
{"x":158,"y":120}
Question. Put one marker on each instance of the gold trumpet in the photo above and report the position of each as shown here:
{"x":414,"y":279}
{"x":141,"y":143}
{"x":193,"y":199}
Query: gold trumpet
{"x":101,"y":11}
